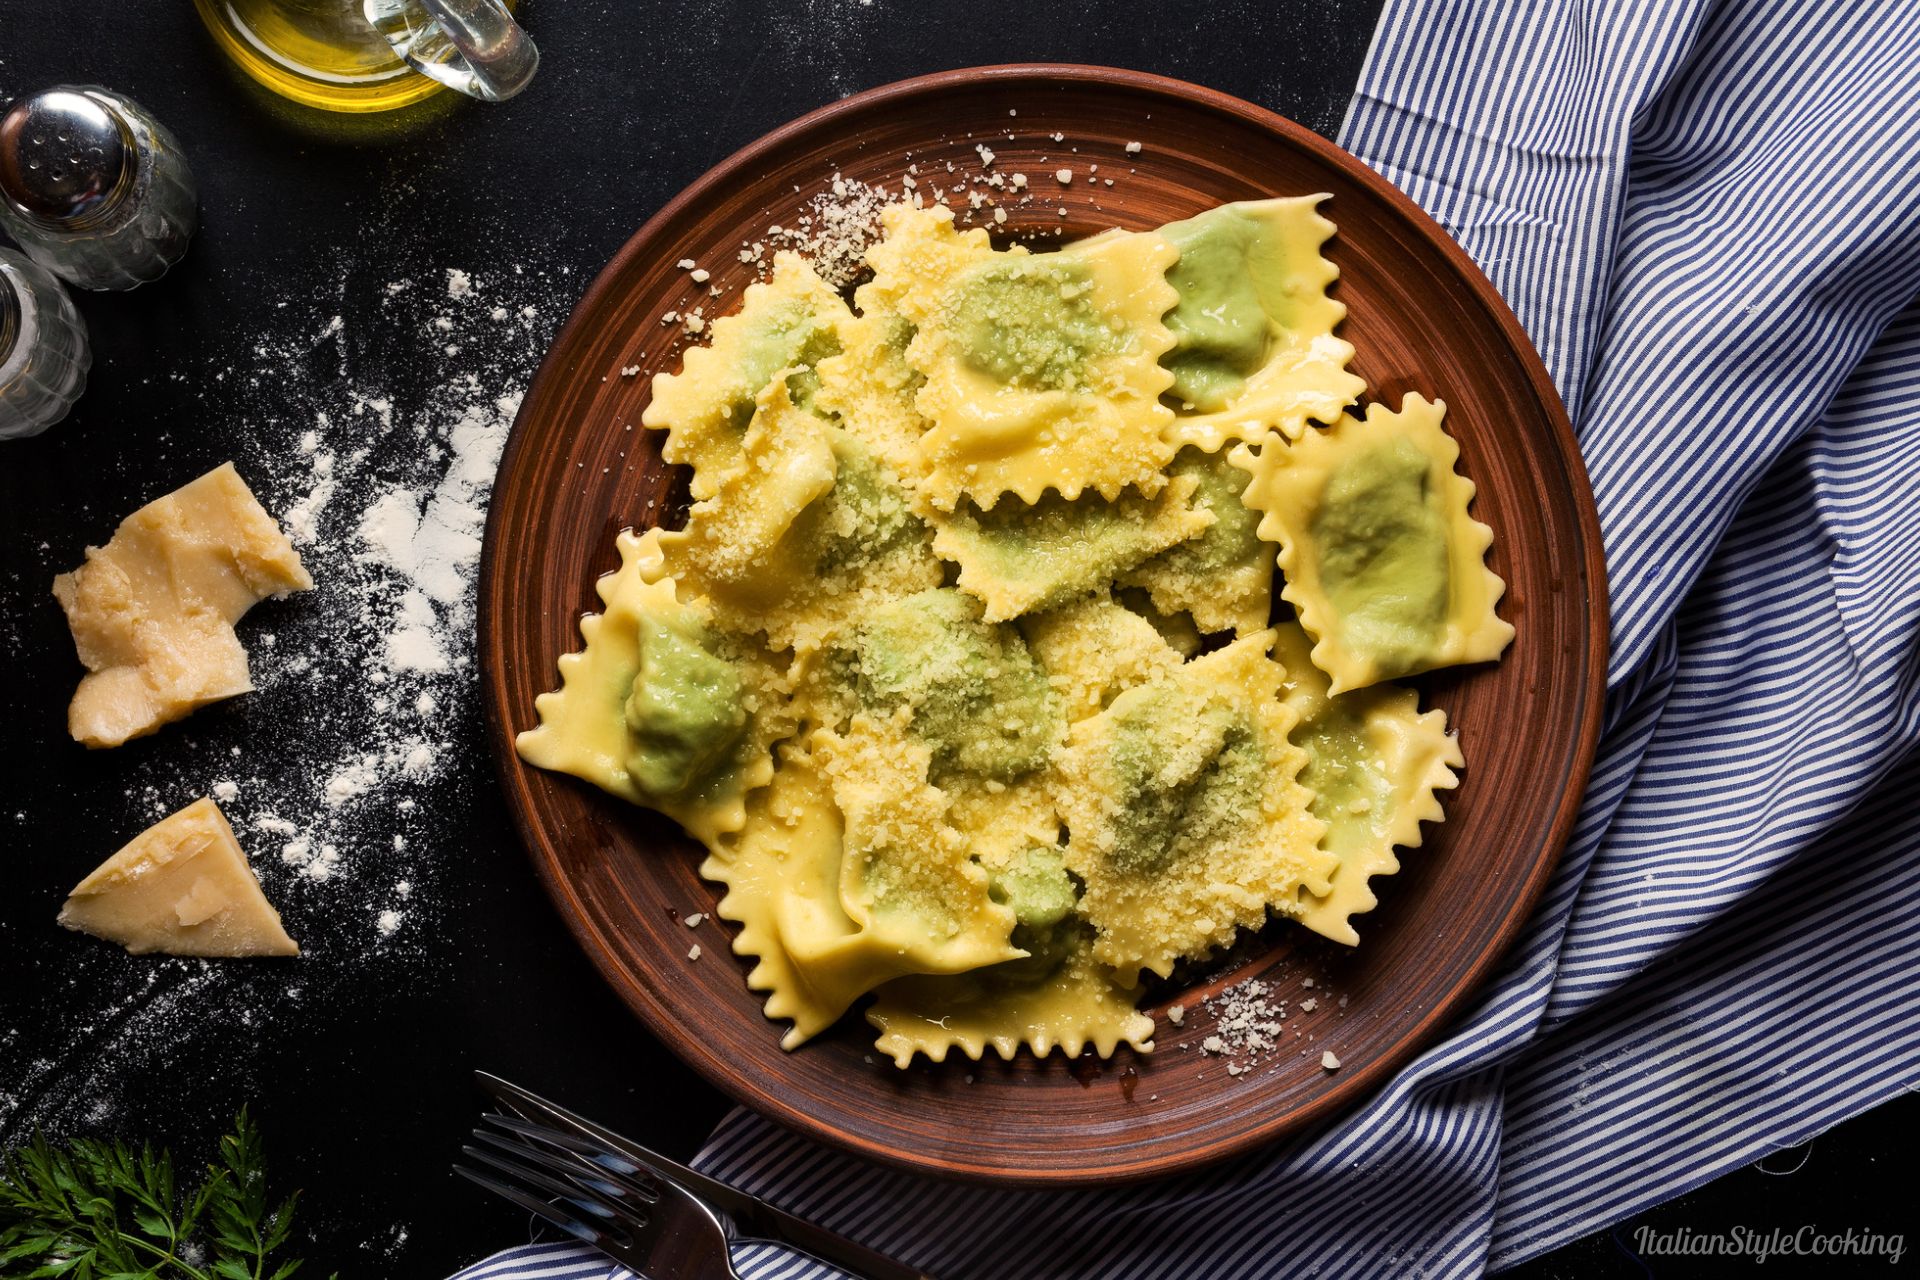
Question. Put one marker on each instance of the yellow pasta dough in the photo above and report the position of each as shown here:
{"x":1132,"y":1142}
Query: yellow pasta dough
{"x":1375,"y":763}
{"x":1177,"y":629}
{"x":1095,"y":649}
{"x":869,"y":388}
{"x":695,"y":756}
{"x":1254,"y":344}
{"x":784,"y":328}
{"x":1185,"y":821}
{"x":850,"y":877}
{"x":1080,"y":1005}
{"x":1383,"y":564}
{"x":1018,"y":559}
{"x":805,"y":529}
{"x":782,"y":878}
{"x":1041,"y":370}
{"x":1001,"y":820}
{"x":906,"y":875}
{"x":962,"y":666}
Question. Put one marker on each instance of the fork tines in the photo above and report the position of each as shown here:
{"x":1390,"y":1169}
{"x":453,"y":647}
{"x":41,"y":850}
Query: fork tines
{"x":641,"y":1177}
{"x":583,"y":1189}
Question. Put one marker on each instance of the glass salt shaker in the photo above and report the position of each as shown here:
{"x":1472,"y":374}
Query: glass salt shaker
{"x":44,"y":354}
{"x":93,"y":188}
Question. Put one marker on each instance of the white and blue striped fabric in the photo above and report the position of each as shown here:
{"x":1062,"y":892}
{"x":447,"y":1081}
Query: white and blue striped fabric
{"x":1707,"y":215}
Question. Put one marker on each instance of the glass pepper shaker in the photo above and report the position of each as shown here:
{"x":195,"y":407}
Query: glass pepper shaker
{"x":93,"y":188}
{"x":44,"y":354}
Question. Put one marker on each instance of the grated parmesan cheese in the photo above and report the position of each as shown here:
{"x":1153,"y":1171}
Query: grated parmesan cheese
{"x":833,"y":232}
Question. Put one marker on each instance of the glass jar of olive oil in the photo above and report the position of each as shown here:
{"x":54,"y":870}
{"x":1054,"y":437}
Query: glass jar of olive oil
{"x":374,"y":55}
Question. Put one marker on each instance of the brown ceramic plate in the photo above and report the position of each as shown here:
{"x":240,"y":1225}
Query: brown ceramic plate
{"x":578,"y":469}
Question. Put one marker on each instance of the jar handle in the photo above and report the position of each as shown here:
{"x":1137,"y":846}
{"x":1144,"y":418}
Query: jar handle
{"x":473,"y":46}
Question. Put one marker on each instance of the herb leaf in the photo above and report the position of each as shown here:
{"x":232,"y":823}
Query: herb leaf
{"x":99,"y":1210}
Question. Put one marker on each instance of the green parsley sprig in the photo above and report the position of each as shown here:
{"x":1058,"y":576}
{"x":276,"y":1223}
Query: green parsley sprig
{"x":104,"y":1211}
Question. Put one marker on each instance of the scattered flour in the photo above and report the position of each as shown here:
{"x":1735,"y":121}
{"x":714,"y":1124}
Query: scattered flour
{"x":376,"y":451}
{"x":351,"y":781}
{"x":302,"y":520}
{"x":414,"y":644}
{"x":431,"y":538}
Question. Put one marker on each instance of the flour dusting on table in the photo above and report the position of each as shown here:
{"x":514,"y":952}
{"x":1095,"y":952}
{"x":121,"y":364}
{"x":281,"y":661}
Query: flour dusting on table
{"x":374,"y":443}
{"x":384,"y":492}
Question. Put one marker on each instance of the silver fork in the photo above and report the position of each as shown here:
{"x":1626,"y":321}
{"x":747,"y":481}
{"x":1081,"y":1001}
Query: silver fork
{"x":655,"y":1215}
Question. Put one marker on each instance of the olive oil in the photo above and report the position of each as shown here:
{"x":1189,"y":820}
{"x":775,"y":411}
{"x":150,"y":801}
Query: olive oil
{"x":320,"y":53}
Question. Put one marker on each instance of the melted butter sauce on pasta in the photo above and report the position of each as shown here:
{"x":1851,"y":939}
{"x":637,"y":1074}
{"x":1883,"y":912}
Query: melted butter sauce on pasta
{"x":965,"y":667}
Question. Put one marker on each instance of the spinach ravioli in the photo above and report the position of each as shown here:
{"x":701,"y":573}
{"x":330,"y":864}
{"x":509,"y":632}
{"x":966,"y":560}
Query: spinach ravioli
{"x":968,"y":668}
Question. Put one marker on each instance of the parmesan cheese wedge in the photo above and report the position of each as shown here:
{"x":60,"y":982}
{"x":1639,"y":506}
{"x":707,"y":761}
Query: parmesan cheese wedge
{"x":152,"y":612}
{"x":181,"y":887}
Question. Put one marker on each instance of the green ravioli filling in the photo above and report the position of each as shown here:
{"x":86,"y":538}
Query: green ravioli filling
{"x":685,"y":710}
{"x":1042,"y":895}
{"x":1234,"y":537}
{"x":1183,"y":777}
{"x":1233,"y":280}
{"x":1029,"y":322}
{"x":1383,"y":552}
{"x":866,"y":516}
{"x":899,"y":336}
{"x":1059,"y":549}
{"x":978,"y":697}
{"x":1037,"y":887}
{"x":1350,"y":791}
{"x":1231,"y":543}
{"x":789,"y":336}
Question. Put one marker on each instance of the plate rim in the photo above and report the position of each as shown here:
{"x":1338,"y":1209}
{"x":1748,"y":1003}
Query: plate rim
{"x":1364,"y":1080}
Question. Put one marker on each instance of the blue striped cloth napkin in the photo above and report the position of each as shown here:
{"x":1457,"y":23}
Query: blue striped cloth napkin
{"x":1707,"y":215}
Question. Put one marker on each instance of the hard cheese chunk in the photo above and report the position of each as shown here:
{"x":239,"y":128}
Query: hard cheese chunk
{"x":181,"y":887}
{"x":152,"y":612}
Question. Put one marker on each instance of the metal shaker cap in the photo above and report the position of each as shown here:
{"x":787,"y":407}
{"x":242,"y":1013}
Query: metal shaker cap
{"x":66,"y":157}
